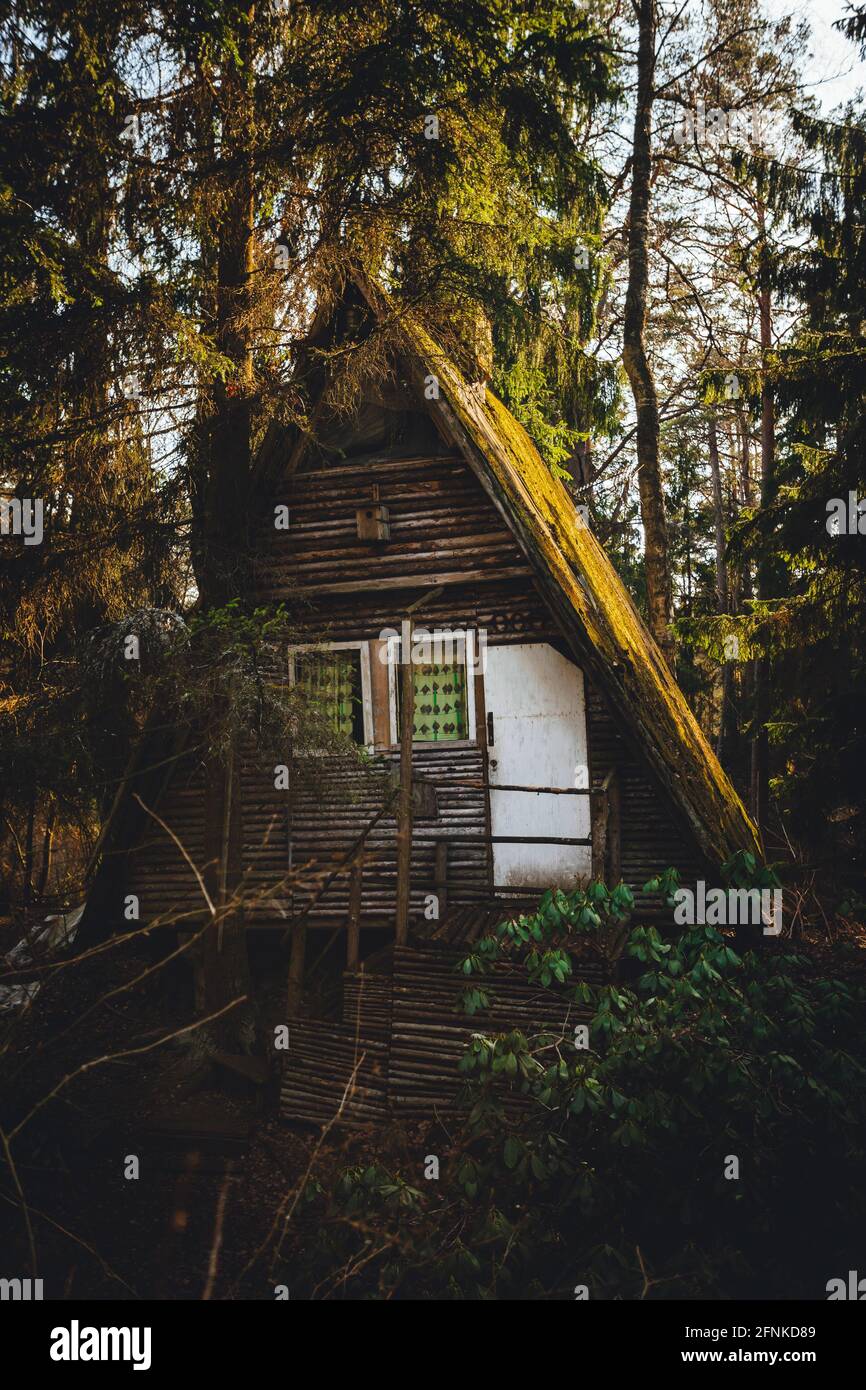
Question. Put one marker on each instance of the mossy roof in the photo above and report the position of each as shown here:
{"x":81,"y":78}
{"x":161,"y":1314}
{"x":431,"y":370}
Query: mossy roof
{"x":595,"y":611}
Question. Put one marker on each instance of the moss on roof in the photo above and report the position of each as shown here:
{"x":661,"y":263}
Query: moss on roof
{"x":607,"y":630}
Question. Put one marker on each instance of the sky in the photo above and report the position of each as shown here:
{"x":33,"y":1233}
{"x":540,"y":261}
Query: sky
{"x":833,"y":70}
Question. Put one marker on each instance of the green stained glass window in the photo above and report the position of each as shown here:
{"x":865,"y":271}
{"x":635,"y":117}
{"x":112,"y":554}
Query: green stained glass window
{"x":332,"y":680}
{"x":439,"y":714}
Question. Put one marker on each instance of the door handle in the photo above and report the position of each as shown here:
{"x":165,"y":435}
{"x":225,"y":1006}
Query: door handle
{"x":490,"y":739}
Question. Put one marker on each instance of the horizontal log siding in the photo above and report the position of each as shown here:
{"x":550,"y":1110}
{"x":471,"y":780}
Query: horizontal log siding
{"x":430,"y":1032}
{"x":325,"y":822}
{"x":651,"y":839}
{"x":157,"y":872}
{"x":331,"y":802}
{"x":398,"y":1047}
{"x":441,"y":521}
{"x":165,"y":882}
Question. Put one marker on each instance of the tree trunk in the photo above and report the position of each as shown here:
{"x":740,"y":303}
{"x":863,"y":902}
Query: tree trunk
{"x":223,"y":554}
{"x":224,"y":964}
{"x":27,"y":887}
{"x":47,"y":841}
{"x":740,"y":583}
{"x":635,"y":359}
{"x":226,"y":483}
{"x":760,"y":748}
{"x":726,"y":710}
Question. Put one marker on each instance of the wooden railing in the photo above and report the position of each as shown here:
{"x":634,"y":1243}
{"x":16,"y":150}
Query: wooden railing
{"x":606,"y":830}
{"x":604,"y":840}
{"x":353,"y":864}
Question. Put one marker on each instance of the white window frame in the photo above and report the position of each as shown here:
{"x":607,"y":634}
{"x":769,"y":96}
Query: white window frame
{"x":366,"y":682}
{"x":465,"y":641}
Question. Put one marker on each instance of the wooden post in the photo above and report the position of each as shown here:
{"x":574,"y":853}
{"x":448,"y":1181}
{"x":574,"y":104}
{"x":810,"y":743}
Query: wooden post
{"x":353,"y":938}
{"x":404,"y":810}
{"x":441,"y":876}
{"x":225,"y":840}
{"x":606,"y":831}
{"x":614,"y":833}
{"x":296,"y":969}
{"x":599,"y":810}
{"x":481,"y":737}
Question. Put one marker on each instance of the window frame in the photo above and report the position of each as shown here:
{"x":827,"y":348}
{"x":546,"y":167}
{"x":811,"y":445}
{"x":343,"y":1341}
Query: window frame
{"x":465,"y":641}
{"x":366,"y":683}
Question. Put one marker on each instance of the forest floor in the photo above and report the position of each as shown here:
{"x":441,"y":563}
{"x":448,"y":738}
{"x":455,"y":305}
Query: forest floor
{"x":199,"y":1206}
{"x":180,"y":1229}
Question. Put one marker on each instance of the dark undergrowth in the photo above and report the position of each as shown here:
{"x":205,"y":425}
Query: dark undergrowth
{"x":704,"y":1139}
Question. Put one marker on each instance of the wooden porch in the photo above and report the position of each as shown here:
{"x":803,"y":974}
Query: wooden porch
{"x":393,"y":1046}
{"x":394,"y":1050}
{"x":350,"y":876}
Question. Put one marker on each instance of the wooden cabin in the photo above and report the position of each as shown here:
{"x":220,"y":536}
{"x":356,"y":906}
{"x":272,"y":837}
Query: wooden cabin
{"x":548,"y":741}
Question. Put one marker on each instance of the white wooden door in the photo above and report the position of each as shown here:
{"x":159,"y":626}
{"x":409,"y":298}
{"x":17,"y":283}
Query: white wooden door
{"x":536,"y":710}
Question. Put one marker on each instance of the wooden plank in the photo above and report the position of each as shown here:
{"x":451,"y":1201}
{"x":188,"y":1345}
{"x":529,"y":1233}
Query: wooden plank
{"x":441,"y":876}
{"x":506,"y":839}
{"x":409,"y":581}
{"x":544,"y":791}
{"x":614,"y":842}
{"x":599,"y":810}
{"x":296,"y":968}
{"x":353,"y":934}
{"x":380,"y":693}
{"x":404,"y":820}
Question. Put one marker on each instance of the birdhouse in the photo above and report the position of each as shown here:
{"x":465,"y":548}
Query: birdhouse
{"x":373,"y":522}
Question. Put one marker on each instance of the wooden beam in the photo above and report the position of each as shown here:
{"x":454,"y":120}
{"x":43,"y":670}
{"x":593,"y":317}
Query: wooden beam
{"x":481,"y":739}
{"x":380,"y":465}
{"x":543,"y":791}
{"x":296,"y":969}
{"x":353,"y":935}
{"x":424,"y":838}
{"x":410,"y":581}
{"x":404,"y":810}
{"x":480,"y":784}
{"x":441,"y":876}
{"x":614,"y":839}
{"x":599,"y":811}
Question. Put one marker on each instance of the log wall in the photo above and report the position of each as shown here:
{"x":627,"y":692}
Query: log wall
{"x":441,"y":525}
{"x":443,"y":531}
{"x":651,"y":839}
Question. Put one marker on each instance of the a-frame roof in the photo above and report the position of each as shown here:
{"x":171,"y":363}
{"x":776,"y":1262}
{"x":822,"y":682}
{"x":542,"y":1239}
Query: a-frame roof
{"x":596,"y":615}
